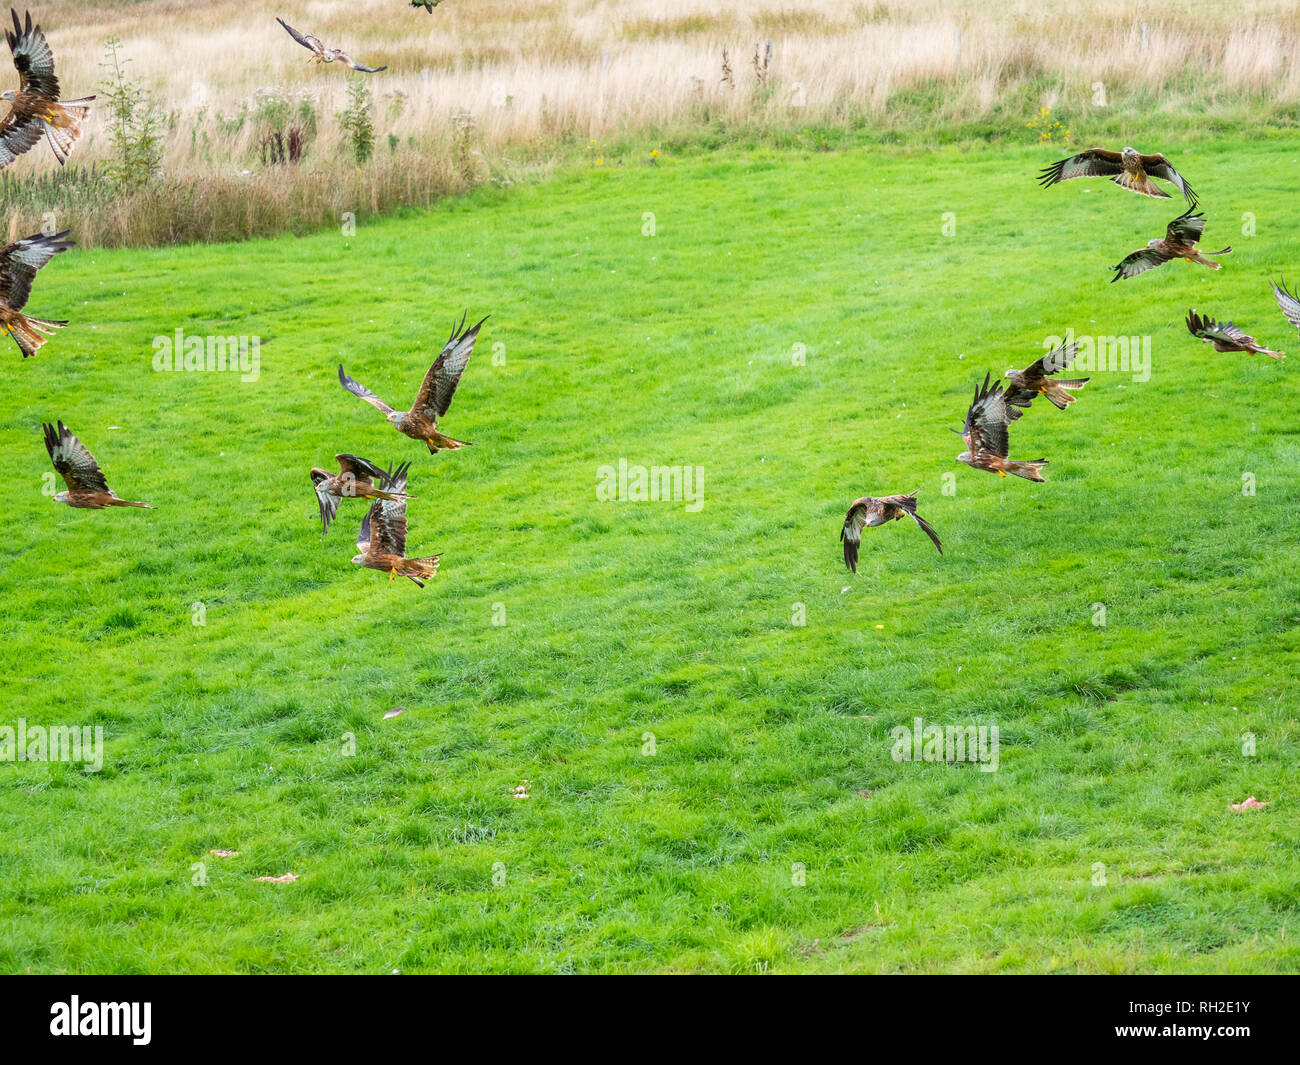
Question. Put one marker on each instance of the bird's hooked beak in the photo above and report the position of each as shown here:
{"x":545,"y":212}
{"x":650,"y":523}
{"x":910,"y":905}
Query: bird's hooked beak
{"x":396,"y":416}
{"x":356,"y":560}
{"x":1153,"y":242}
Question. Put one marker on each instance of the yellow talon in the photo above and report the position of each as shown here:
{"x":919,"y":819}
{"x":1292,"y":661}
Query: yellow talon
{"x":1002,"y":473}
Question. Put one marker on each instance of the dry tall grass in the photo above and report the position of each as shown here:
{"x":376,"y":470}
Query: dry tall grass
{"x":542,"y":79}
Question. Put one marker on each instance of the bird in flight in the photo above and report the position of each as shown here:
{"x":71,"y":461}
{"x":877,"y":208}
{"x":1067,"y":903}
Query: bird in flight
{"x":1129,"y":169}
{"x":428,"y":5}
{"x":34,"y":108}
{"x":987,"y":441}
{"x":355,"y":479}
{"x":1036,"y":380}
{"x":321,"y":54}
{"x":870,"y":511}
{"x":1225,"y":336}
{"x":87,"y":488}
{"x":382,"y":540}
{"x":434,"y":397}
{"x":19,"y":262}
{"x":1179,"y":242}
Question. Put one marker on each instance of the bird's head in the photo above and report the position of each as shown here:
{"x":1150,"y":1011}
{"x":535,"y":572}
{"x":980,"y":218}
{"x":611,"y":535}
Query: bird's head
{"x":8,"y":94}
{"x":357,"y":560}
{"x":1011,"y":372}
{"x":964,"y":457}
{"x":396,"y":416}
{"x":1130,"y":153}
{"x":61,"y":497}
{"x":1153,"y":242}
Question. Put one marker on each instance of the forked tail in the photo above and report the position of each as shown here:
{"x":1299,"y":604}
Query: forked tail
{"x":30,"y":333}
{"x":1030,"y":471}
{"x":64,"y":130}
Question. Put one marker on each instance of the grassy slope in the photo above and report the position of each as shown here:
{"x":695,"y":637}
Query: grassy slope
{"x":1119,"y":744}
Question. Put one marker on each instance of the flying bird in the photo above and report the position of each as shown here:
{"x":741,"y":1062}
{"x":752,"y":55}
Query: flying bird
{"x":34,"y":108}
{"x":434,"y":398}
{"x":356,"y":478}
{"x":870,"y":511}
{"x":321,"y":54}
{"x":19,"y":262}
{"x":1288,"y":301}
{"x":1129,"y":169}
{"x":382,"y":540}
{"x":1179,"y":242}
{"x":1225,"y":336}
{"x":428,"y":5}
{"x":1035,"y":380}
{"x":77,"y":466}
{"x":987,"y":441}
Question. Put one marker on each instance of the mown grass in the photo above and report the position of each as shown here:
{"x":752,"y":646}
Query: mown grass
{"x":1120,"y":745}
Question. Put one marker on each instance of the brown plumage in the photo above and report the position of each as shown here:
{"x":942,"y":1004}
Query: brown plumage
{"x":382,"y":540}
{"x":355,"y":479}
{"x":434,"y":397}
{"x":87,"y":487}
{"x":987,"y":441}
{"x":1225,"y":336}
{"x":1036,"y":380}
{"x":19,"y":262}
{"x":34,"y":109}
{"x":1179,"y":242}
{"x":1129,"y":169}
{"x":321,"y":54}
{"x":870,"y":511}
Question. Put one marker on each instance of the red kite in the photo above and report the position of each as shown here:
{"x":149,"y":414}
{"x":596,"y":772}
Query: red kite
{"x":382,"y":540}
{"x":1225,"y":336}
{"x":870,"y":511}
{"x":434,"y":397}
{"x":34,"y":109}
{"x":321,"y":54}
{"x":987,"y":441}
{"x":1035,"y":381}
{"x":1179,"y":242}
{"x":77,"y":466}
{"x":1129,"y":169}
{"x":19,"y":262}
{"x":428,"y":5}
{"x":356,"y":478}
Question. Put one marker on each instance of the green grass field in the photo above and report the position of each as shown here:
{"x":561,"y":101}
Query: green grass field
{"x":1121,"y":744}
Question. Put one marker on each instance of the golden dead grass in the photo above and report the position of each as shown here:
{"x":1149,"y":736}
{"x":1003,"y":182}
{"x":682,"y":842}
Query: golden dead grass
{"x":538,"y":75}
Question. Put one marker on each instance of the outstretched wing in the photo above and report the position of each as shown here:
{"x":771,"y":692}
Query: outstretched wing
{"x":1206,"y":328}
{"x":387,"y":517}
{"x":440,"y":382}
{"x":363,"y":392}
{"x":1158,"y":166}
{"x":1139,"y":262}
{"x":854,"y":522}
{"x":1186,"y":228}
{"x":986,"y":421}
{"x":74,"y":463}
{"x":33,"y":58}
{"x":325,"y":499}
{"x":342,"y":56}
{"x":309,"y":42}
{"x":19,"y":262}
{"x":361,"y":469}
{"x":1288,"y":301}
{"x":1095,"y":162}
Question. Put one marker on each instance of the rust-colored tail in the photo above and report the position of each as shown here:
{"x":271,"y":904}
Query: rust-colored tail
{"x":1030,"y":471}
{"x":128,"y":503}
{"x":65,"y":129}
{"x":437,"y":442}
{"x":421,"y":569}
{"x":30,"y":333}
